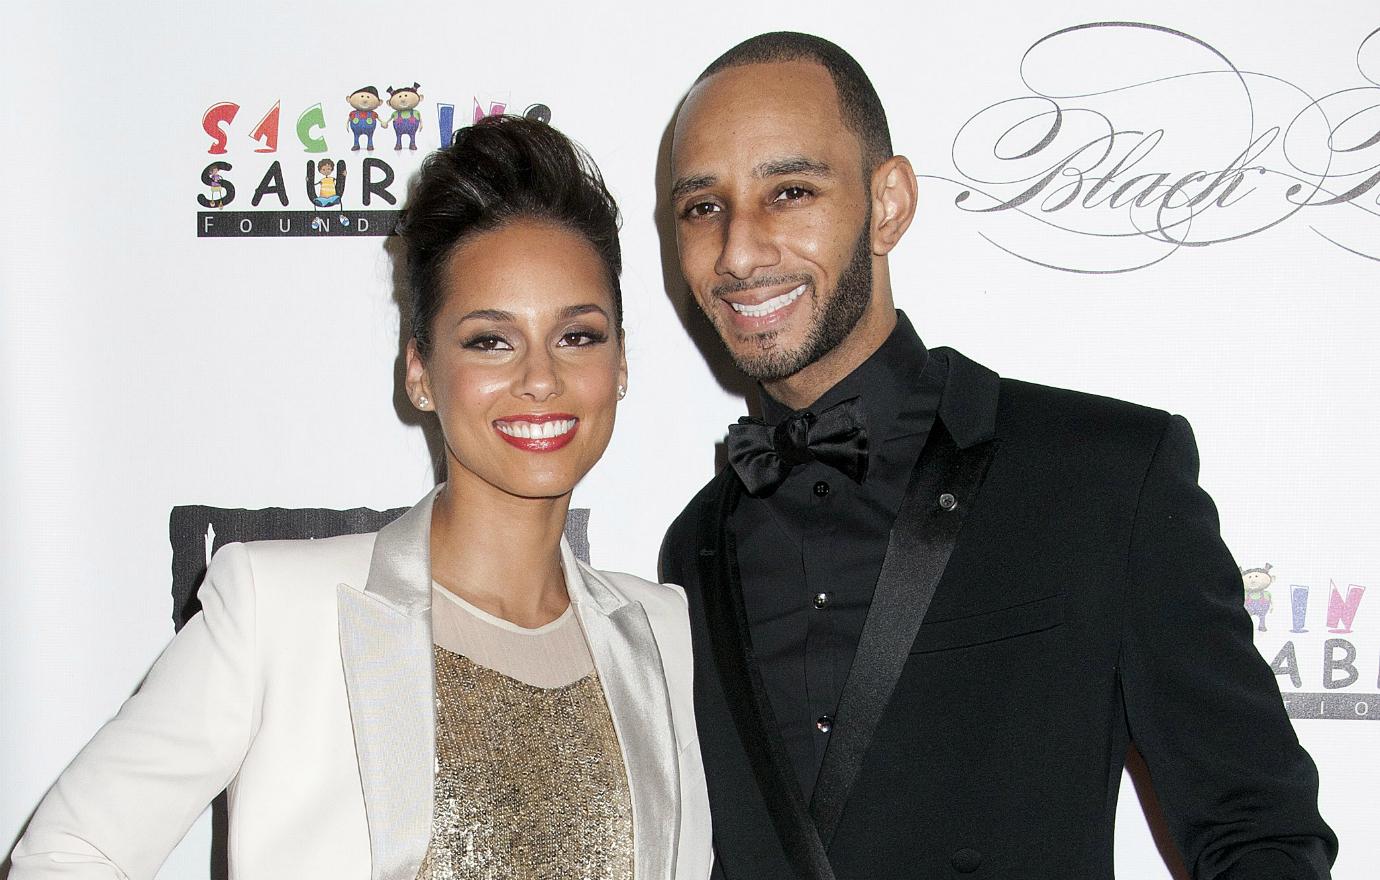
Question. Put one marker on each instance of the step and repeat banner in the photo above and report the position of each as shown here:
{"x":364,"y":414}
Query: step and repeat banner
{"x":199,"y":319}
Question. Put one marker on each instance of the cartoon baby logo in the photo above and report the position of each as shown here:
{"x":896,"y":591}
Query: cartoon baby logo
{"x":363,"y":120}
{"x":1258,"y":601}
{"x":406,"y":118}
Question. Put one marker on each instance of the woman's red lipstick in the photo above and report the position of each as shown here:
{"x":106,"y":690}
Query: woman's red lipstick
{"x":538,"y":432}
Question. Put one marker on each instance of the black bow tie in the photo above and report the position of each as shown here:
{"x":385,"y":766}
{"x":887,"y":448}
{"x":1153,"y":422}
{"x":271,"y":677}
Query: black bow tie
{"x":764,"y":455}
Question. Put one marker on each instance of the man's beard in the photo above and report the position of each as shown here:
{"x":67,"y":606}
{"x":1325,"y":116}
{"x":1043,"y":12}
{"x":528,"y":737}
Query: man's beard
{"x":842,"y":311}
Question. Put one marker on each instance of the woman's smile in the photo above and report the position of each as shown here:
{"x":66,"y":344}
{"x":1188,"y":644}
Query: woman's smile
{"x":538,"y":432}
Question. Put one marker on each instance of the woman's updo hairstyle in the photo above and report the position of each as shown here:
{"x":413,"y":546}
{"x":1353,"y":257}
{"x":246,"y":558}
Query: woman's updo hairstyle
{"x":501,"y":169}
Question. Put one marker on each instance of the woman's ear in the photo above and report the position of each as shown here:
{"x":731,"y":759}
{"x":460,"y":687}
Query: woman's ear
{"x":417,"y":383}
{"x":622,"y":363}
{"x":894,"y":197}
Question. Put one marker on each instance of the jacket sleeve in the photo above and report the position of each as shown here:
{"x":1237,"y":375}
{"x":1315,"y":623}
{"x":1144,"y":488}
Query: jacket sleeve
{"x":131,"y":794}
{"x":670,"y":567}
{"x":1239,"y":792}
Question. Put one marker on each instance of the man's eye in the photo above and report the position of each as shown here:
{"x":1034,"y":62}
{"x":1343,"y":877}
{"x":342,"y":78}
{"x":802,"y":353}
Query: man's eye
{"x":701,"y":209}
{"x":792,"y":194}
{"x":488,"y":342}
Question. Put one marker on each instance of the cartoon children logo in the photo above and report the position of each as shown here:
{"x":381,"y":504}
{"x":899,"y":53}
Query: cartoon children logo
{"x":1258,"y":601}
{"x":217,"y":197}
{"x":323,"y":200}
{"x":363,"y":120}
{"x":327,"y":194}
{"x":326,"y":191}
{"x":406,"y":118}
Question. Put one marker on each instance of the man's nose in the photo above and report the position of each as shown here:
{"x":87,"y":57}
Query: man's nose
{"x":746,"y":247}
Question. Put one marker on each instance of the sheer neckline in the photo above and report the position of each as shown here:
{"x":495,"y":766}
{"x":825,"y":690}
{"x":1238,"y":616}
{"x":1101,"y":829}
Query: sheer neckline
{"x":494,"y":620}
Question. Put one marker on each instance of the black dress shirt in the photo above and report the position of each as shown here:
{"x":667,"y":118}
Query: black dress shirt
{"x":810,"y":551}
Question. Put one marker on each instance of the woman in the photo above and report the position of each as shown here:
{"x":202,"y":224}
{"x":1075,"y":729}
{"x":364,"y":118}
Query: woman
{"x":455,"y":696}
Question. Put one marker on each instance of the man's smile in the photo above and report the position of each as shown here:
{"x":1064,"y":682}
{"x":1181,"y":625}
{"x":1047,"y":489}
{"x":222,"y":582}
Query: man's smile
{"x":770,"y":306}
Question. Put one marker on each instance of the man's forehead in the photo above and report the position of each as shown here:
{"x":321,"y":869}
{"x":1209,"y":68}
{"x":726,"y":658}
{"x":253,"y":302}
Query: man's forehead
{"x":743,"y":90}
{"x":780,"y":108}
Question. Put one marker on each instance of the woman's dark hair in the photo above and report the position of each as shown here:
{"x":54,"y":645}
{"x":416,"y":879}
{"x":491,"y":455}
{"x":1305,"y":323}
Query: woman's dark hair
{"x":501,"y":169}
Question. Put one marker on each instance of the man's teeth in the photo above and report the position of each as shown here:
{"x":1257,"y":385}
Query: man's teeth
{"x":537,"y":430}
{"x":774,"y":304}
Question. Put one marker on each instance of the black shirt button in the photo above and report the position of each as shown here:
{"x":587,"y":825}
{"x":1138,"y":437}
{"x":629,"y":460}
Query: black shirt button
{"x":821,"y":601}
{"x":966,"y":861}
{"x":821,"y":488}
{"x":825,"y":723}
{"x":947,"y":501}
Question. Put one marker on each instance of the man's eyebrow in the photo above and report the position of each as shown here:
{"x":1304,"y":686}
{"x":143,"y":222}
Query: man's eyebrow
{"x":770,"y":168}
{"x":793,"y":165}
{"x":686,"y":185}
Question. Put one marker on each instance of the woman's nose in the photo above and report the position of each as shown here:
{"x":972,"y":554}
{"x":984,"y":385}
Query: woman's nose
{"x":540,"y":379}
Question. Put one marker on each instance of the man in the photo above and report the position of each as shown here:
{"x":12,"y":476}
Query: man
{"x":932,"y":608}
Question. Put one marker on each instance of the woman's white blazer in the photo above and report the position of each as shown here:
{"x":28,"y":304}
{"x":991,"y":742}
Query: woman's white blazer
{"x":305,"y":687}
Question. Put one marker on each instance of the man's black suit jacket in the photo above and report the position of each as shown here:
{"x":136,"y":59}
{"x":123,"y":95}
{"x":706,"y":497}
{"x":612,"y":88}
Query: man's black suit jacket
{"x":1079,"y":599}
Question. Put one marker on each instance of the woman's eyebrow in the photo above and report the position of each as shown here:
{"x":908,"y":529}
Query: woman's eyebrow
{"x":583,"y":309}
{"x":489,"y":315}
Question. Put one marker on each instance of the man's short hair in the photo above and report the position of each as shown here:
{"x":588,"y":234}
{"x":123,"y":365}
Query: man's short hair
{"x":859,"y":105}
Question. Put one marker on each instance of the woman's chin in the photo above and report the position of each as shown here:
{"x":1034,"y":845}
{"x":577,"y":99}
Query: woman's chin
{"x":545,"y":491}
{"x":537,"y":487}
{"x":536,"y":476}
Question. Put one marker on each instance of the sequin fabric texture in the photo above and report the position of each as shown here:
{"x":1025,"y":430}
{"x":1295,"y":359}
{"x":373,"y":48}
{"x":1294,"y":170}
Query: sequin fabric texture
{"x":530,"y":783}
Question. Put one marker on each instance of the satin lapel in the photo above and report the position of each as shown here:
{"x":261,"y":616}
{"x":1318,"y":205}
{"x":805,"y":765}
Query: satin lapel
{"x":922,"y":539}
{"x":630,"y":669}
{"x":747,"y":696}
{"x":385,"y":649}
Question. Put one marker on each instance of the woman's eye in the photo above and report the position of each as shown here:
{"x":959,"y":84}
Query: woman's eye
{"x":488,"y":342}
{"x":580,"y":338}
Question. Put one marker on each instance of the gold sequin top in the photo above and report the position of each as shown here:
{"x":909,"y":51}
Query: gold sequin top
{"x":530,"y":782}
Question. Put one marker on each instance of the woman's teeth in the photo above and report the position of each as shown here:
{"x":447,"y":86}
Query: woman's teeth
{"x":536,"y":430}
{"x":774,"y":304}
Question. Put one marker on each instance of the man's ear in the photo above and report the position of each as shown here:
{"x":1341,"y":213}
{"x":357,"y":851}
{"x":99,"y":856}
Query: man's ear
{"x":417,"y":383}
{"x":894,"y":196}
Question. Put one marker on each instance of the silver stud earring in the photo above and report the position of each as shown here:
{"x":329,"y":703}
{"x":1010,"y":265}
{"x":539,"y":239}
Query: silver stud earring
{"x":423,"y":402}
{"x":622,"y":392}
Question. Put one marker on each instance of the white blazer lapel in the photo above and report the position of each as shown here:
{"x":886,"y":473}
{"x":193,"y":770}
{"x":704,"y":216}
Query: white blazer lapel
{"x":629,"y":664}
{"x":385,"y":647}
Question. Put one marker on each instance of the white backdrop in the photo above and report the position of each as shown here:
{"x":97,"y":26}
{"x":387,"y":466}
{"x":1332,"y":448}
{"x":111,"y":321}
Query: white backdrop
{"x":145,"y":367}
